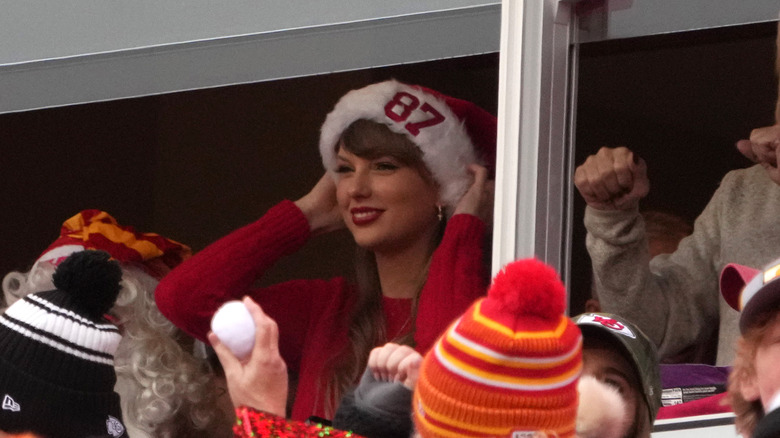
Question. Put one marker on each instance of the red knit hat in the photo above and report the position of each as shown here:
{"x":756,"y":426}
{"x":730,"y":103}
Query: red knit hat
{"x":95,"y":229}
{"x":508,"y":367}
{"x":452,"y":133}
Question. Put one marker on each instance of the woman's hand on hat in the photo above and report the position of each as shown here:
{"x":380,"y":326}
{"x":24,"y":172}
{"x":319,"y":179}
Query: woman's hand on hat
{"x":395,"y":363}
{"x":320,"y":207}
{"x":478,"y":199}
{"x":260,"y":382}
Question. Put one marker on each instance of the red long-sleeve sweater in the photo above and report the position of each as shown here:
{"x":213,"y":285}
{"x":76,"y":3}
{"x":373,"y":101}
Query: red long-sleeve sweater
{"x":312,"y":315}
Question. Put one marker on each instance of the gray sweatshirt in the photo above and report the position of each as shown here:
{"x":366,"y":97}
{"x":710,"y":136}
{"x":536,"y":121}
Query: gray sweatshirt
{"x":674,"y":298}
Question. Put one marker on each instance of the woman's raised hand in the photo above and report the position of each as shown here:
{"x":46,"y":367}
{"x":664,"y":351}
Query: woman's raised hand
{"x":320,"y":207}
{"x":478,"y":199}
{"x":395,"y":363}
{"x":260,"y":382}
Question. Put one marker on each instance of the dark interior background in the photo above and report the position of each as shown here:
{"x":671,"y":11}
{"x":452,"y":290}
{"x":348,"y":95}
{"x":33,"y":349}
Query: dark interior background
{"x":195,"y":165}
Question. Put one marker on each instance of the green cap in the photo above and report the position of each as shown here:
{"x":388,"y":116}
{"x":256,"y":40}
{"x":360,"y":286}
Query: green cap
{"x":640,"y":350}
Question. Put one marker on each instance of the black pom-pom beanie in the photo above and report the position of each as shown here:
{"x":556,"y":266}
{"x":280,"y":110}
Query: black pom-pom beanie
{"x":57,"y":355}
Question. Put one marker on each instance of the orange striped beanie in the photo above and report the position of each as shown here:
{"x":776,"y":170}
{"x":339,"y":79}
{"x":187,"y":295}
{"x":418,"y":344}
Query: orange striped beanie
{"x":508,"y":367}
{"x":95,"y":229}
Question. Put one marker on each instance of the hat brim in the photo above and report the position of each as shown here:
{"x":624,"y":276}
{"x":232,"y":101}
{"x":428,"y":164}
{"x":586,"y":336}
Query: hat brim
{"x":765,"y":299}
{"x":744,"y":289}
{"x":733,"y":279}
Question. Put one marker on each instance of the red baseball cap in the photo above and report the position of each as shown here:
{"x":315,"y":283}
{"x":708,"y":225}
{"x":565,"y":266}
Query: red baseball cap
{"x":750,"y":291}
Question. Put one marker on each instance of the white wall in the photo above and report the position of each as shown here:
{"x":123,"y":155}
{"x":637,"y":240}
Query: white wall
{"x":61,"y":53}
{"x":633,"y":18}
{"x":33,"y":30}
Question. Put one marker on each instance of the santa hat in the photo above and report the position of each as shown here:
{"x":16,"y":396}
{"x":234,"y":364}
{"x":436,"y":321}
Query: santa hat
{"x":95,"y":229}
{"x":751,"y":291}
{"x":508,"y":367}
{"x":451,"y":133}
{"x":57,"y":354}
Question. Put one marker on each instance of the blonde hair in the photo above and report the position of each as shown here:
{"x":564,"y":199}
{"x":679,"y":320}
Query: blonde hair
{"x":165,"y":390}
{"x":369,"y":139}
{"x":748,"y":412}
{"x":18,"y":284}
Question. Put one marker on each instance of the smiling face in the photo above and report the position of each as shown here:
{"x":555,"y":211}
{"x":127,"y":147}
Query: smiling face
{"x":385,"y":204}
{"x":385,"y":193}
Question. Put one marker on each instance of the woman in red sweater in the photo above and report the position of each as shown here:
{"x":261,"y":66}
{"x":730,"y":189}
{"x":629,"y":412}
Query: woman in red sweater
{"x":405,"y":176}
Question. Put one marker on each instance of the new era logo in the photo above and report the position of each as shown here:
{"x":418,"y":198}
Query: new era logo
{"x":114,"y":427}
{"x":10,"y":405}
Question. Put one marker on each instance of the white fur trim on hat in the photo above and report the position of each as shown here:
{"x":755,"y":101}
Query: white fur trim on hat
{"x":60,"y":253}
{"x":56,"y":255}
{"x":424,"y":118}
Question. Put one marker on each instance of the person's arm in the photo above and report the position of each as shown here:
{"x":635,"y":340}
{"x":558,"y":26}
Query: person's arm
{"x":673,"y":299}
{"x":260,"y":380}
{"x":457,"y":275}
{"x":258,"y":385}
{"x":226,"y":270}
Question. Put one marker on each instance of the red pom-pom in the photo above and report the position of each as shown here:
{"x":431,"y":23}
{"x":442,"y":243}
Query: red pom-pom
{"x":529,"y":287}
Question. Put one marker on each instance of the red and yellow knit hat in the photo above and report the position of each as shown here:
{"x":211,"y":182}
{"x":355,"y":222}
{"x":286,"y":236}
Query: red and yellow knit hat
{"x":95,"y":229}
{"x":508,"y":367}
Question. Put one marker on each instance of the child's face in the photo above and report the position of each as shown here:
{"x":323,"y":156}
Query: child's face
{"x":766,"y":381}
{"x":611,"y":368}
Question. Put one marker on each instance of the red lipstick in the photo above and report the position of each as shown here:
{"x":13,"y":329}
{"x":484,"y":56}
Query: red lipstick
{"x":364,"y":215}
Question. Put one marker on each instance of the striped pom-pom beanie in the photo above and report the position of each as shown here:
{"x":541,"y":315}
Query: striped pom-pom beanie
{"x":57,"y":354}
{"x":508,"y":367}
{"x":95,"y":229}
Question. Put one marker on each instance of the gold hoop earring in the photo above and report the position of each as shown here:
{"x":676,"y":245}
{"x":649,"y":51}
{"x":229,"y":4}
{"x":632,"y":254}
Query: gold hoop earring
{"x":439,"y":213}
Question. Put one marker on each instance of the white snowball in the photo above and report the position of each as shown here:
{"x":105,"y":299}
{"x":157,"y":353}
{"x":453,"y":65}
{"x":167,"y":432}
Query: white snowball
{"x":235,"y":328}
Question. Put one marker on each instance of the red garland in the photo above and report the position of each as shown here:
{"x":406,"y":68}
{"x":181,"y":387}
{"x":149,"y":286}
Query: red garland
{"x":251,"y":423}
